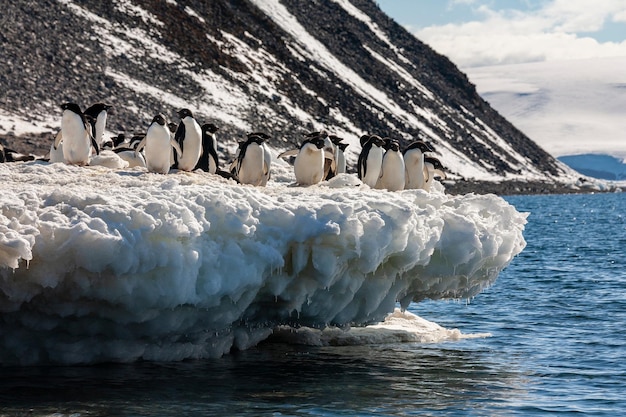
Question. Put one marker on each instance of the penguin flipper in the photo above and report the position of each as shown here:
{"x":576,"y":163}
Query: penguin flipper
{"x":176,"y":146}
{"x":426,"y":174}
{"x":213,"y":154}
{"x":286,"y":154}
{"x":58,"y":139}
{"x":140,"y":146}
{"x":94,"y":144}
{"x":179,"y":136}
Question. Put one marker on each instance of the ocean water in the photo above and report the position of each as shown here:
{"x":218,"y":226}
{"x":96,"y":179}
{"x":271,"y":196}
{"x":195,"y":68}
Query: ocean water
{"x":556,"y":315}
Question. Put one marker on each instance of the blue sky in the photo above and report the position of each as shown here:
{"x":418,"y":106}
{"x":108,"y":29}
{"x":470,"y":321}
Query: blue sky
{"x":491,"y":32}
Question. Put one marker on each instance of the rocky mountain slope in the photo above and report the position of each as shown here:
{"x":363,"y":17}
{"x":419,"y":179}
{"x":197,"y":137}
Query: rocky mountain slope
{"x":286,"y":67}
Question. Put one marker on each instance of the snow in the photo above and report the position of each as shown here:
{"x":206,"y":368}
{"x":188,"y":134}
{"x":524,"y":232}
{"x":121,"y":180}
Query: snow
{"x":99,"y":264}
{"x":567,"y":107}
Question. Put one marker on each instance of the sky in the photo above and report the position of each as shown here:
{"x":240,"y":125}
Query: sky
{"x":554,"y":68}
{"x":488,"y":32}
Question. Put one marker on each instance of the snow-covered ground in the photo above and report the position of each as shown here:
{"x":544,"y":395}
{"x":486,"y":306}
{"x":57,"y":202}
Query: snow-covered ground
{"x":100,"y":265}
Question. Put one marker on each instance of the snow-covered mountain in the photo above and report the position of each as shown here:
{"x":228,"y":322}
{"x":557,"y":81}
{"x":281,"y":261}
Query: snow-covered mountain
{"x":285,"y":67}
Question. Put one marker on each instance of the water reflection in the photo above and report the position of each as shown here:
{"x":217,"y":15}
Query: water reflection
{"x":397,"y":379}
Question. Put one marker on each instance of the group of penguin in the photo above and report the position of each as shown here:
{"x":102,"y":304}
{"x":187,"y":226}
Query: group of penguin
{"x":188,"y":146}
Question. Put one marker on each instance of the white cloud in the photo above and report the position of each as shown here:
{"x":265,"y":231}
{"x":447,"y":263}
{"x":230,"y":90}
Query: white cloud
{"x":514,"y":36}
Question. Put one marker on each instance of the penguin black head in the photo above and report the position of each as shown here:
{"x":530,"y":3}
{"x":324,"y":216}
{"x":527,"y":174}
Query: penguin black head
{"x":436,"y":162}
{"x":172,"y":126}
{"x":391,"y":144}
{"x":160,"y":119}
{"x":335,"y":139}
{"x":97,"y":108}
{"x":318,"y":142}
{"x":263,"y":135}
{"x":421,"y":145}
{"x":184,"y":113}
{"x":363,"y":139}
{"x":118,"y":140}
{"x":342,"y":146}
{"x":73,"y":107}
{"x":376,"y":141}
{"x":209,"y":128}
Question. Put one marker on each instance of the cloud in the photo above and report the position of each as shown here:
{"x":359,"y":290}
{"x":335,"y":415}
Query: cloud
{"x":560,"y":29}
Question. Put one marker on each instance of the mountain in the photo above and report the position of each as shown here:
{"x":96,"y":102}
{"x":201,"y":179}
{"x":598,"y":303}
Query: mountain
{"x":284,"y":67}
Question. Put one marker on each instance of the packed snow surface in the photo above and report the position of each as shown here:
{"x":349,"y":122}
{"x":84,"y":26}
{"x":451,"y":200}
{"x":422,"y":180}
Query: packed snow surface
{"x":121,"y":265}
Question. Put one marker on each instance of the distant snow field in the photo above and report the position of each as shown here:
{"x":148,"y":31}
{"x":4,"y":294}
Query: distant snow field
{"x":567,"y":107}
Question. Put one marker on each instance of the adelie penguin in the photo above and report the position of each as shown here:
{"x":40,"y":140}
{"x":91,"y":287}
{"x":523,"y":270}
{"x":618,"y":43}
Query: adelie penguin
{"x":370,"y":159}
{"x":432,"y":169}
{"x":414,"y":164}
{"x":128,"y":154}
{"x":189,"y":137}
{"x":209,"y":162}
{"x":392,"y":169}
{"x":309,"y":163}
{"x":158,"y":143}
{"x":9,"y":155}
{"x":252,"y":165}
{"x":340,"y":158}
{"x":97,"y":116}
{"x":76,"y":136}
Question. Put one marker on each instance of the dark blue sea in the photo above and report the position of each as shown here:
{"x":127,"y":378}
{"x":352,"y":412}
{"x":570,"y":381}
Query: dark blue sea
{"x":557,"y":318}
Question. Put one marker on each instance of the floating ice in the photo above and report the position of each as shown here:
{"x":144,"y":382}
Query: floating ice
{"x":120,"y":265}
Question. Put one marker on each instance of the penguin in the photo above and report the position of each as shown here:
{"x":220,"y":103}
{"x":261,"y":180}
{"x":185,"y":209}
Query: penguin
{"x":76,"y":136}
{"x":251,"y":166}
{"x":9,"y":155}
{"x":309,"y":163}
{"x":414,"y":164}
{"x":98,"y":114}
{"x":208,"y":160}
{"x":340,"y":158}
{"x":158,"y":142}
{"x":432,"y":168}
{"x":171,"y":126}
{"x":330,"y":164}
{"x":113,"y":142}
{"x":370,"y":159}
{"x":128,"y":154}
{"x":392,"y":168}
{"x":189,"y":137}
{"x":56,"y":149}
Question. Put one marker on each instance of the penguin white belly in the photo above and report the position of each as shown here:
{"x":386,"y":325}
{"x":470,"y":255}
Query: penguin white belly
{"x":101,"y":121}
{"x":267,"y":163}
{"x":76,"y":140}
{"x":158,"y":149}
{"x":374,"y":163}
{"x":213,"y":162}
{"x":56,"y":154}
{"x":108,"y":159}
{"x":192,"y":145}
{"x":309,"y":166}
{"x":251,"y":169}
{"x":341,"y":161}
{"x":133,"y":159}
{"x":392,"y":172}
{"x":414,"y":166}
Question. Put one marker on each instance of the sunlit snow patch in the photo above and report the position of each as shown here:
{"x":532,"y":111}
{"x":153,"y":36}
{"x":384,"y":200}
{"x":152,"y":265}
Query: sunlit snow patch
{"x":104,"y":265}
{"x":398,"y":327}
